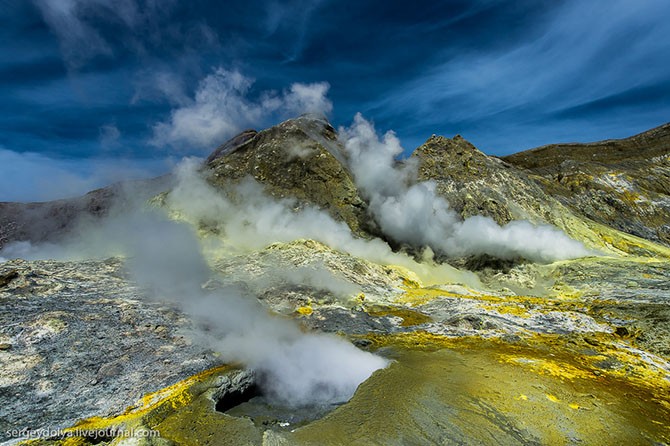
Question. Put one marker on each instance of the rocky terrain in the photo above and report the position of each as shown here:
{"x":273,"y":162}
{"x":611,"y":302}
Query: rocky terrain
{"x":19,"y":221}
{"x":620,"y":183}
{"x":505,"y":190}
{"x":482,"y":350}
{"x":299,"y":158}
{"x":78,"y":340}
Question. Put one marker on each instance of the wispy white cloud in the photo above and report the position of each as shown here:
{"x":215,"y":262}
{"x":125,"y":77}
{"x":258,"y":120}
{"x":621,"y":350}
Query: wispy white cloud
{"x":138,"y":26}
{"x":582,"y":52}
{"x":161,"y":84}
{"x":109,"y":135}
{"x":222,"y":107}
{"x":293,"y":17}
{"x":78,"y":39}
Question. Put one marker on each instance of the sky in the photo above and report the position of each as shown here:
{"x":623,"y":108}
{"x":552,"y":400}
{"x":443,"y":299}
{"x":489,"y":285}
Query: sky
{"x":94,"y":91}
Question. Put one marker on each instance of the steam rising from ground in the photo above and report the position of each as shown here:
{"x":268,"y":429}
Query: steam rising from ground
{"x":316,"y":277}
{"x":249,"y":220}
{"x":294,"y":367}
{"x":413,"y":212}
{"x":165,"y":257}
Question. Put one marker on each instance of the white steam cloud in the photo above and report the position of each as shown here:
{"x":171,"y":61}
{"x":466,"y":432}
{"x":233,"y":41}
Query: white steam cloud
{"x":249,"y":220}
{"x":221,"y":109}
{"x":23,"y":249}
{"x":165,"y":257}
{"x":295,"y":368}
{"x":90,"y":28}
{"x":414,"y":213}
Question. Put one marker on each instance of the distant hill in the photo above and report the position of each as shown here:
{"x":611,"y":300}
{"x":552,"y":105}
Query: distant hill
{"x":643,"y":146}
{"x":623,"y":183}
{"x":47,"y":221}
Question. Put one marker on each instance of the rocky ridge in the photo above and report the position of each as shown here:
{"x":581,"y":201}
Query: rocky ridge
{"x":621,"y":183}
{"x":476,"y":184}
{"x":299,"y":158}
{"x":50,"y":221}
{"x":567,"y":352}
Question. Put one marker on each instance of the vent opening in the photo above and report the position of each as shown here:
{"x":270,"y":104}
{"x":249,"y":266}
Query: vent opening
{"x":236,"y":397}
{"x":265,"y":412}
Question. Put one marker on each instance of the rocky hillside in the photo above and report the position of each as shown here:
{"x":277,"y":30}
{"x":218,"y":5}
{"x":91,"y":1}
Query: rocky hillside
{"x":49,"y":221}
{"x":611,"y":195}
{"x":299,"y":158}
{"x":477,"y":184}
{"x":622,"y":183}
{"x":510,"y":352}
{"x":303,"y":159}
{"x":645,"y":146}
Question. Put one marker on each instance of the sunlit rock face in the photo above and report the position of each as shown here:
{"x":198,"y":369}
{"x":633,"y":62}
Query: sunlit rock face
{"x":486,"y":350}
{"x":80,"y":340}
{"x":300,"y":158}
{"x":476,"y":184}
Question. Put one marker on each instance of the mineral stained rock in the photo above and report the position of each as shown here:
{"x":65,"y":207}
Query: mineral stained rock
{"x":84,"y":342}
{"x":570,"y":352}
{"x":299,"y":158}
{"x":621,"y":183}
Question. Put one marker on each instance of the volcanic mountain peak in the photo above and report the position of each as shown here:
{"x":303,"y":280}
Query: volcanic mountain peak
{"x":300,"y":158}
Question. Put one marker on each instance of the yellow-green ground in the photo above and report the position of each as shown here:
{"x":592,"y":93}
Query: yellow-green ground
{"x":437,"y":390}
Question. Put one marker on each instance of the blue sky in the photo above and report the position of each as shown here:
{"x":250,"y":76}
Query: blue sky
{"x":98,"y":90}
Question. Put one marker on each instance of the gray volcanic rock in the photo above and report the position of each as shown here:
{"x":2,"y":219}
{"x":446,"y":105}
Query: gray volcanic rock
{"x":83,"y":342}
{"x":299,"y":158}
{"x":476,"y":184}
{"x":232,"y":145}
{"x":339,"y":276}
{"x":622,"y":183}
{"x":633,"y":297}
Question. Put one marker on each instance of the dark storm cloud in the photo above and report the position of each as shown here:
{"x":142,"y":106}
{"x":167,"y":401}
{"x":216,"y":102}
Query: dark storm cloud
{"x":96,"y":78}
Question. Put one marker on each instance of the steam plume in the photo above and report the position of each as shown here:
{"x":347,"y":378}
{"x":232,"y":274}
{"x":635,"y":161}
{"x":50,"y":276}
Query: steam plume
{"x":249,"y":220}
{"x":414,"y":213}
{"x":296,"y":368}
{"x":165,"y":257}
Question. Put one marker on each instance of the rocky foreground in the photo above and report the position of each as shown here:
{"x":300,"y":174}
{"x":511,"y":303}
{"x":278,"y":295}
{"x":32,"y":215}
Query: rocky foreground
{"x":513,"y":352}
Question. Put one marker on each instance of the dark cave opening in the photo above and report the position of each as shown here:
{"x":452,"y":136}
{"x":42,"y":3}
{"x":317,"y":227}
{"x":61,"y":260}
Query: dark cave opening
{"x":265,"y":412}
{"x":238,"y":396}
